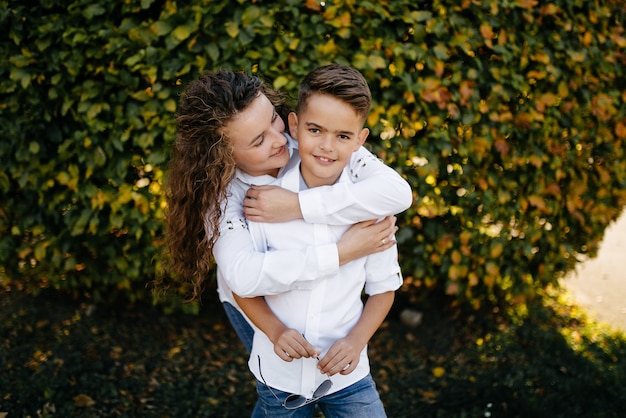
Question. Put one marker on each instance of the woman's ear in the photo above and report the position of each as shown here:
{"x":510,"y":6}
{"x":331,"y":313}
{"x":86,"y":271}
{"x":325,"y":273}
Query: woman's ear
{"x":292,"y":118}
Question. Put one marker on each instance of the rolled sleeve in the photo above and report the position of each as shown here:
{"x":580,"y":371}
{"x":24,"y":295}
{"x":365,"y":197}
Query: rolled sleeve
{"x":383,"y":272}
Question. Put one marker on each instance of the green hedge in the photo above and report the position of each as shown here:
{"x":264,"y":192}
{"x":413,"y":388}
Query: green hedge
{"x":507,"y":117}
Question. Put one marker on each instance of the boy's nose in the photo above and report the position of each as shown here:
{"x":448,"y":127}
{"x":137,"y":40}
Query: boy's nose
{"x":326,"y":143}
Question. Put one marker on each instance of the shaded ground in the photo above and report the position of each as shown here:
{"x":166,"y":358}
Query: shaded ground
{"x":599,"y":284}
{"x":62,"y":358}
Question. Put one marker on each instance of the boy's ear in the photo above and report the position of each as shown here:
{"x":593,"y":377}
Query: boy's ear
{"x":362,"y":137}
{"x":292,"y":119}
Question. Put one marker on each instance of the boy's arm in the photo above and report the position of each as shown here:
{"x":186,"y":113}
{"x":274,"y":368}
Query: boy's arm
{"x":288,"y":342}
{"x":344,"y":355}
{"x":376,"y":190}
{"x":382,"y":278}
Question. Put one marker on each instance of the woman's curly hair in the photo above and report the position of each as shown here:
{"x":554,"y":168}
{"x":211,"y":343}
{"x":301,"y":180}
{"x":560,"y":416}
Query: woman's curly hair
{"x":201,"y":167}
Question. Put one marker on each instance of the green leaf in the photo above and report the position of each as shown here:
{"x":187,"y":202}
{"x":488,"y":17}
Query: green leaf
{"x":182,"y":32}
{"x":94,"y":110}
{"x":33,"y":147}
{"x":93,"y":10}
{"x":441,"y":51}
{"x":213,"y":51}
{"x":145,"y":4}
{"x":232,"y":29}
{"x":162,"y":28}
{"x":20,"y":76}
{"x":99,"y":157}
{"x":280,"y":82}
{"x":79,"y":225}
{"x":250,"y":15}
{"x":421,"y":15}
{"x":377,"y":62}
{"x":170,"y":105}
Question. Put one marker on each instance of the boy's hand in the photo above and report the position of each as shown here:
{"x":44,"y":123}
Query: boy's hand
{"x":271,"y":204}
{"x":343,"y":357}
{"x":290,"y":344}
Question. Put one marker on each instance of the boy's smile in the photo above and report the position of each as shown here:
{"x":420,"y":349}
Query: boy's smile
{"x":328,"y":131}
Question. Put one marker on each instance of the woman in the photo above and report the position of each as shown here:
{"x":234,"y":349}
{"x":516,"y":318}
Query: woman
{"x":231,"y":135}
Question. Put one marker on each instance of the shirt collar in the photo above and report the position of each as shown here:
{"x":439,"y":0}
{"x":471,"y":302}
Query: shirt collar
{"x":292,"y":179}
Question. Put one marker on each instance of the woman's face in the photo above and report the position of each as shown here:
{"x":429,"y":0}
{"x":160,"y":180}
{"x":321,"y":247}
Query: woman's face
{"x":257,"y":136}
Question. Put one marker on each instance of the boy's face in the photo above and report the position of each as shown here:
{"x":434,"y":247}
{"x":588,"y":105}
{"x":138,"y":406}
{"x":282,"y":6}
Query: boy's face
{"x":328,"y":131}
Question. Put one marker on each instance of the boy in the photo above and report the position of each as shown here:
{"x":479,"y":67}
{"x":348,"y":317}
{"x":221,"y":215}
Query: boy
{"x":333,"y":104}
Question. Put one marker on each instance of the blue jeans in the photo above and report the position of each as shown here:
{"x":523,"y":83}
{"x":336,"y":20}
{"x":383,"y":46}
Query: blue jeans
{"x":245,"y":333}
{"x":243,"y":329}
{"x":359,"y":400}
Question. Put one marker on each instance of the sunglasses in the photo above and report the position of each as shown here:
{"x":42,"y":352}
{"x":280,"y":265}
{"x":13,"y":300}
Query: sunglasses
{"x":295,"y":401}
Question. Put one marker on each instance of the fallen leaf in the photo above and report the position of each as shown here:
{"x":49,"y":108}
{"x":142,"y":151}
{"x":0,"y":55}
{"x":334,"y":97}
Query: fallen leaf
{"x":83,"y":401}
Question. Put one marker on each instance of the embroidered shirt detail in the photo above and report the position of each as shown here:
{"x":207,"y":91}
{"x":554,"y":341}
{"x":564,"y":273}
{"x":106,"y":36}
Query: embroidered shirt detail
{"x":237,"y":224}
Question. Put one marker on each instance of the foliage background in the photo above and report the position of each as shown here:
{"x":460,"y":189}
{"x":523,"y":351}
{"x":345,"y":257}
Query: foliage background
{"x":507,"y":117}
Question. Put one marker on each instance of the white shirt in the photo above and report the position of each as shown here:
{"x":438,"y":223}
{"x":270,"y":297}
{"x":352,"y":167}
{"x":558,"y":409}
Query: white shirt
{"x":375,"y":190}
{"x":324,"y":313}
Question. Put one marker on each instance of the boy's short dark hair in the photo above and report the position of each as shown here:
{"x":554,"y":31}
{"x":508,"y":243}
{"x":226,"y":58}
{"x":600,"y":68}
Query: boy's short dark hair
{"x":340,"y":81}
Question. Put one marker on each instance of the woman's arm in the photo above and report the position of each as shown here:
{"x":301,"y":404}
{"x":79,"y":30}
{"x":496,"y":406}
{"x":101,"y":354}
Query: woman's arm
{"x":288,"y":342}
{"x":376,"y":190}
{"x":250,"y":272}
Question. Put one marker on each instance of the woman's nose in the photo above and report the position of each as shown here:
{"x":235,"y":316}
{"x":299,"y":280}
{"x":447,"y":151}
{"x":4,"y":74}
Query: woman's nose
{"x":278,"y":133}
{"x":278,"y":136}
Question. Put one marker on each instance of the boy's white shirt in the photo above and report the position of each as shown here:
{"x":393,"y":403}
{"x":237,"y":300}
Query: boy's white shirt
{"x":246,"y":271}
{"x":324,"y":312}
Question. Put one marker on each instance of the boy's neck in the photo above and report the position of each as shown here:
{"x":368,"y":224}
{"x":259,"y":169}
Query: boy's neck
{"x":317,"y":182}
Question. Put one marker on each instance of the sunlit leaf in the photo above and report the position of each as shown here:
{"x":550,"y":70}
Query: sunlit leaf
{"x":232,"y":29}
{"x":182,"y":32}
{"x":280,"y":82}
{"x":438,"y":372}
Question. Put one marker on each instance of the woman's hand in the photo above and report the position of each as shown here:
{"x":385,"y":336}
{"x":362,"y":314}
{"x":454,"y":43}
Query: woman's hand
{"x":271,"y":204}
{"x":365,"y":238}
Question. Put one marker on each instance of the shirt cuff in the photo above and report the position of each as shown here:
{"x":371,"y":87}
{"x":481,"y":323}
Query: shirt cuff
{"x":392,"y":283}
{"x":327,"y":259}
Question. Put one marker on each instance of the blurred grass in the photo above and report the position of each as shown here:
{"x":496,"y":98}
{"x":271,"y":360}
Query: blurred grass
{"x":65,"y":358}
